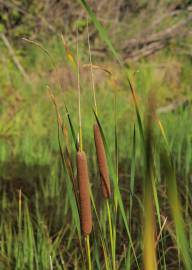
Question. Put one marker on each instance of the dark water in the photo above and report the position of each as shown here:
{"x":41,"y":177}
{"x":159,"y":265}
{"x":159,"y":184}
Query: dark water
{"x":17,"y":175}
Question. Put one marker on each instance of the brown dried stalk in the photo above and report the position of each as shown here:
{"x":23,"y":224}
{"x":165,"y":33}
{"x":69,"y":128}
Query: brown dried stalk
{"x":102,"y":162}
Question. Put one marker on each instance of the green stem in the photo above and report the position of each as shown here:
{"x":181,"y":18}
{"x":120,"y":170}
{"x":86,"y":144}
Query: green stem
{"x":88,"y":252}
{"x":111,"y":235}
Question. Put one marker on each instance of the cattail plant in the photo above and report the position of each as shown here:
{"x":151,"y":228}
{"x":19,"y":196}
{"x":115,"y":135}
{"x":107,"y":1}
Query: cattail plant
{"x":84,"y":197}
{"x":83,"y":177}
{"x":82,"y":170}
{"x":102,"y":162}
{"x":101,"y":159}
{"x":100,"y":149}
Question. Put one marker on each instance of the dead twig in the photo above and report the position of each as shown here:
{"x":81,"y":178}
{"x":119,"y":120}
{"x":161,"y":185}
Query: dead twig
{"x":14,"y":57}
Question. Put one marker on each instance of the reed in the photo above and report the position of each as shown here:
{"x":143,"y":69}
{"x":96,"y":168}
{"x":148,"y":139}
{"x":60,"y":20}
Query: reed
{"x":84,"y":196}
{"x":102,"y":162}
{"x":149,"y":187}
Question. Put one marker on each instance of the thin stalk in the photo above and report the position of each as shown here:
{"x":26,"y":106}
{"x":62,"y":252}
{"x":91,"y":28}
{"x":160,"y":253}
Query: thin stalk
{"x":91,"y":69}
{"x":132,"y":181}
{"x":116,"y":150}
{"x":79,"y":97}
{"x":20,"y":228}
{"x":111,"y":235}
{"x":20,"y":209}
{"x":117,"y":179}
{"x":88,"y":252}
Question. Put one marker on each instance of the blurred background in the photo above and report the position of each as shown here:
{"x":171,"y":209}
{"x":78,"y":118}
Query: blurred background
{"x":153,"y":39}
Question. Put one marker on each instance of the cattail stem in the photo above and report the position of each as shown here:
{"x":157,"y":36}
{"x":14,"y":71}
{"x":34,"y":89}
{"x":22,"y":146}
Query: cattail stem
{"x":112,"y":238}
{"x":79,"y":97}
{"x":88,"y":252}
{"x":84,"y":196}
{"x":91,"y":69}
{"x":102,"y":162}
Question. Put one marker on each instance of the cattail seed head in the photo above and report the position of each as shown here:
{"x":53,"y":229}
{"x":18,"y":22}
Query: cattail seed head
{"x":84,"y":196}
{"x":102,"y":162}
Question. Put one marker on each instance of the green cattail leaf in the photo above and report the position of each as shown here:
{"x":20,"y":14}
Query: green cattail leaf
{"x":117,"y":191}
{"x":72,"y":129}
{"x":102,"y":31}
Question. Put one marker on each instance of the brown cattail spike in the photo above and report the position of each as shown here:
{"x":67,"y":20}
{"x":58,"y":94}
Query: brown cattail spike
{"x":102,"y":162}
{"x":84,"y":196}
